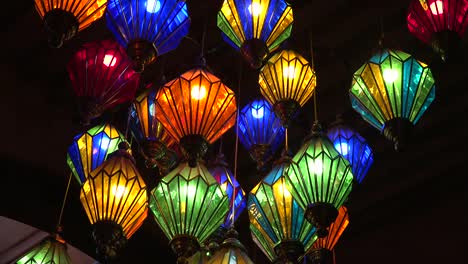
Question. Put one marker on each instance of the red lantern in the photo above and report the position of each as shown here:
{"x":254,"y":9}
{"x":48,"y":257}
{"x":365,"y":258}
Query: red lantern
{"x":102,"y":77}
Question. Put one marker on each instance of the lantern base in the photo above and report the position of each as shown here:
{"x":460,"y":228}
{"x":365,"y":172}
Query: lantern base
{"x":448,"y":45}
{"x":184,"y":246}
{"x":321,"y":215}
{"x":142,"y":53}
{"x":109,"y":238}
{"x":398,"y":130}
{"x":258,"y":152}
{"x":193,"y":147}
{"x":216,"y":239}
{"x":289,"y":251}
{"x":254,"y":52}
{"x":89,"y":108}
{"x":60,"y":26}
{"x":286,"y":110}
{"x":320,"y":256}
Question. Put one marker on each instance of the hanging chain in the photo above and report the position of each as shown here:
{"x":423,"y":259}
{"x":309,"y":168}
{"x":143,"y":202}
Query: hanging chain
{"x":59,"y":222}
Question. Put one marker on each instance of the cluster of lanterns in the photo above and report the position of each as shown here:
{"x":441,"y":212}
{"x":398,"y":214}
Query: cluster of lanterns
{"x":297,"y":210}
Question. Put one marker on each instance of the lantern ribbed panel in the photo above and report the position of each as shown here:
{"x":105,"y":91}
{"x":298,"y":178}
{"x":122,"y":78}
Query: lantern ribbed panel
{"x":334,"y":231}
{"x":48,"y":251}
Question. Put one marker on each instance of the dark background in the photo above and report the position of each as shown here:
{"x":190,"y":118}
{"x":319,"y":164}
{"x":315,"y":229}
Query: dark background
{"x":411,"y":208}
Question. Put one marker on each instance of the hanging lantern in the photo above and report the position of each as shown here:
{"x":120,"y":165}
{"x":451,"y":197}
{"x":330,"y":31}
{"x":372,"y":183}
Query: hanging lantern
{"x":196,"y":109}
{"x":51,"y":250}
{"x":287,"y":82}
{"x":322,"y":249}
{"x":231,"y":251}
{"x":153,"y":139}
{"x":255,"y":27}
{"x":102,"y":78}
{"x":277,"y":222}
{"x":64,"y":18}
{"x":91,"y":148}
{"x":391,"y":92}
{"x":147,"y":28}
{"x":189,"y":205}
{"x":440,"y":23}
{"x":354,"y":148}
{"x":321,"y":181}
{"x":115,"y":200}
{"x":260,"y":131}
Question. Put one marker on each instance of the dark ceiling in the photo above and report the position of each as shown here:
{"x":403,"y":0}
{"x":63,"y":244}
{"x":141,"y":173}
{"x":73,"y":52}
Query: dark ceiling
{"x":409,"y":209}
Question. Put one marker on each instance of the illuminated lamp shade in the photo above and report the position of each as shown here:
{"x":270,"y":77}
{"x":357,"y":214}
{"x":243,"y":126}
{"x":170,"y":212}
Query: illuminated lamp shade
{"x":287,"y":81}
{"x":322,"y":250}
{"x":115,"y":200}
{"x":322,"y":180}
{"x":353,"y":147}
{"x":91,"y":148}
{"x":439,"y":23}
{"x":155,"y":143}
{"x":62,"y":19}
{"x":196,"y":108}
{"x":101,"y":77}
{"x":260,"y":131}
{"x":51,"y":250}
{"x":188,"y":204}
{"x":277,"y":222}
{"x":147,"y":28}
{"x":391,"y":92}
{"x":255,"y":27}
{"x":231,"y":251}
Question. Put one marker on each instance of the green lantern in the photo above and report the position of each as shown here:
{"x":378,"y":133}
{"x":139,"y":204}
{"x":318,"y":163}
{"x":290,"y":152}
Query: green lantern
{"x":321,"y":181}
{"x":391,"y":92}
{"x":51,"y":250}
{"x":188,"y":204}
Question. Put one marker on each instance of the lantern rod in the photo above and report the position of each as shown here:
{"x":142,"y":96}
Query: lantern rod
{"x":315,"y":105}
{"x":382,"y":34}
{"x":286,"y":145}
{"x":59,"y":222}
{"x":312,"y":64}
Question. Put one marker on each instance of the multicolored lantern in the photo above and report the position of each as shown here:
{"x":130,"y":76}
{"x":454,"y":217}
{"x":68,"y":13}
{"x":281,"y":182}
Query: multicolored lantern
{"x":287,"y":81}
{"x":277,"y":222}
{"x":260,"y":131}
{"x":64,"y":18}
{"x":353,"y":147}
{"x":196,"y":108}
{"x":440,"y":23}
{"x":189,"y":205}
{"x":391,"y":92}
{"x":91,"y":148}
{"x":102,"y":78}
{"x":51,"y":249}
{"x":322,"y":180}
{"x":115,"y":201}
{"x":256,"y":27}
{"x":147,"y":28}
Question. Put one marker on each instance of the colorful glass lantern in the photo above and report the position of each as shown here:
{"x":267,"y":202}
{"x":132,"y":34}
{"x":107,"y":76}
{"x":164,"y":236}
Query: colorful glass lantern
{"x":51,"y":250}
{"x":322,"y":249}
{"x":102,"y":78}
{"x":196,"y":108}
{"x":231,"y":251}
{"x":353,"y":147}
{"x":189,"y":205}
{"x":260,"y":131}
{"x":64,"y":18}
{"x":287,"y":81}
{"x":256,"y":27}
{"x":277,"y":222}
{"x":115,"y":200}
{"x":392,"y":91}
{"x":91,"y":148}
{"x":440,"y":23}
{"x":322,"y":180}
{"x":147,"y":28}
{"x":153,"y":139}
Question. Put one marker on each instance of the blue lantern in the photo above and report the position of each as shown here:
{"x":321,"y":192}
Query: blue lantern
{"x":147,"y":28}
{"x":260,"y":131}
{"x":354,"y":148}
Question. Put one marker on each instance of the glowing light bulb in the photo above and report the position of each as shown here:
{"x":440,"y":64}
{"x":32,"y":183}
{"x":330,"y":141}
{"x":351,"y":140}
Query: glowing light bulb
{"x":283,"y":190}
{"x":152,"y":6}
{"x":104,"y":144}
{"x":109,"y":60}
{"x":198,"y":92}
{"x":390,"y":75}
{"x":119,"y":191}
{"x":316,"y":166}
{"x":437,"y":8}
{"x":289,"y":72}
{"x":257,"y":111}
{"x":342,"y":148}
{"x":255,"y":9}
